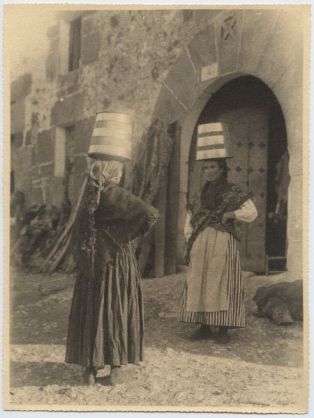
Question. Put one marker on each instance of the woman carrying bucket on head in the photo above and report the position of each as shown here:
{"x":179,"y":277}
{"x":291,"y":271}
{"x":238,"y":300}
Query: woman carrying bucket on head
{"x":213,"y":295}
{"x":106,"y":319}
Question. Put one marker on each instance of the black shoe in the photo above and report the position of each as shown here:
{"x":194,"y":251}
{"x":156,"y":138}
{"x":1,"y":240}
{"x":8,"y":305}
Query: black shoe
{"x":115,"y":376}
{"x":203,"y":333}
{"x":90,"y":376}
{"x":223,"y":337}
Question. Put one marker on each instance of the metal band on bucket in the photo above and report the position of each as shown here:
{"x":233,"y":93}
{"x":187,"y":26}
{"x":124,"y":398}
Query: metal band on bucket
{"x":111,"y":136}
{"x":212,"y":141}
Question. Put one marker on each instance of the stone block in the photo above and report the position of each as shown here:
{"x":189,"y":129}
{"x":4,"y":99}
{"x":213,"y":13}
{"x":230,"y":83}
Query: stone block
{"x":67,"y":111}
{"x":114,"y":21}
{"x":23,"y":170}
{"x":17,"y":116}
{"x":88,"y":25}
{"x":288,"y":91}
{"x":202,"y":49}
{"x":58,"y":187}
{"x":90,"y":47}
{"x":21,"y":87}
{"x":34,"y":156}
{"x":296,"y":206}
{"x":295,"y":260}
{"x":167,"y":107}
{"x":51,"y":66}
{"x":288,"y":88}
{"x":28,"y":137}
{"x":201,"y":15}
{"x":187,"y":15}
{"x":36,"y":195}
{"x":45,"y":146}
{"x":257,"y":27}
{"x":47,"y":190}
{"x":284,"y":44}
{"x":296,"y":147}
{"x":46,"y":170}
{"x":35,"y":172}
{"x":71,"y":78}
{"x":82,"y":134}
{"x":17,"y":139}
{"x":80,"y":164}
{"x":228,"y":29}
{"x":183,"y":81}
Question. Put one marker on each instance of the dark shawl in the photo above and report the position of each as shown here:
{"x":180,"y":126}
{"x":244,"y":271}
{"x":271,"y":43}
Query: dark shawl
{"x":217,"y":197}
{"x":108,"y":219}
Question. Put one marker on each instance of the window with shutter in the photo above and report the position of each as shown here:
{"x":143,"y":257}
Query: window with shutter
{"x":75,"y":44}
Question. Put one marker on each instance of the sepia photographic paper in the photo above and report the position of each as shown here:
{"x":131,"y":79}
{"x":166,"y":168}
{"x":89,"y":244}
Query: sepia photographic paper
{"x":156,"y":194}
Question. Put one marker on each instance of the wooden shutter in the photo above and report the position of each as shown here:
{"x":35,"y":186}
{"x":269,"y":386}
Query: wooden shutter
{"x":75,"y":44}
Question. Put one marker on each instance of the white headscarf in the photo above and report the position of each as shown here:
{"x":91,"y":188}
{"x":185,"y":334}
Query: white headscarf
{"x":101,"y":173}
{"x":106,"y":171}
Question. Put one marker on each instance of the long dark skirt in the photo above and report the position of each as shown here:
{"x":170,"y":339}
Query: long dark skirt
{"x":106,"y":323}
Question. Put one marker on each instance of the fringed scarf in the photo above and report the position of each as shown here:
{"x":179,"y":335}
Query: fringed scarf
{"x":101,"y":175}
{"x":217,"y":197}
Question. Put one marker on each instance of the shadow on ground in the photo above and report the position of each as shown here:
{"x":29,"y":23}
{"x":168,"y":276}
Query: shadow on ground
{"x":41,"y":304}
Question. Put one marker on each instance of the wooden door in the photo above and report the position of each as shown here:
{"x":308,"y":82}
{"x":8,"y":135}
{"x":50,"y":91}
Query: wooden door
{"x":248,"y":127}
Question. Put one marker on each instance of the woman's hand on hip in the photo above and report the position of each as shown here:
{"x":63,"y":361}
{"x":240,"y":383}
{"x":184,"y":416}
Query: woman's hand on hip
{"x":227,"y":216}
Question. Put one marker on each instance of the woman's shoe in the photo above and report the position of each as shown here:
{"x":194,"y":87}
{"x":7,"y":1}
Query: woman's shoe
{"x":115,"y":375}
{"x":90,"y":376}
{"x":223,"y":337}
{"x":202,"y":333}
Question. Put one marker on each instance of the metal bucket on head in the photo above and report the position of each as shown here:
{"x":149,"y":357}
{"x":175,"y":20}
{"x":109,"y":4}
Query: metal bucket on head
{"x":111,"y":137}
{"x":213,"y":141}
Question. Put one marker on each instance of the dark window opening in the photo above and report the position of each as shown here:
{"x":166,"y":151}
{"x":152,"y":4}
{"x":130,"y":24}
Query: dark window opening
{"x":17,"y":139}
{"x":75,"y":44}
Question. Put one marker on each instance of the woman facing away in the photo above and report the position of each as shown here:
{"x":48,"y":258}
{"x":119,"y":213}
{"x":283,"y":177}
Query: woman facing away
{"x":213,"y":295}
{"x":106,"y":318}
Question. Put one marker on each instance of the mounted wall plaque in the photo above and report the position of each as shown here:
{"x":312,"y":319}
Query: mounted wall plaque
{"x":209,"y":71}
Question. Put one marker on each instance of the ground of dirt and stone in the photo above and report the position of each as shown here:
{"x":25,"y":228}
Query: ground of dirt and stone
{"x":260,"y":368}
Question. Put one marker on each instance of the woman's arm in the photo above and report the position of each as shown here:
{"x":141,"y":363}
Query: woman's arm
{"x":246,"y":213}
{"x":126,"y":215}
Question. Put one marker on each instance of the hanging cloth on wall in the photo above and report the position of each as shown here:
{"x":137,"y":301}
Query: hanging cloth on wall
{"x":151,"y":162}
{"x":149,"y":172}
{"x":282,"y":180}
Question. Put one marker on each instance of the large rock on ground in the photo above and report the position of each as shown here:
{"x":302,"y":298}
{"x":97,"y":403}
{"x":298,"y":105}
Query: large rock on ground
{"x":281,"y":302}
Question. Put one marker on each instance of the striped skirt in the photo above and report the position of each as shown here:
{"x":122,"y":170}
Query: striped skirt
{"x":234,"y":316}
{"x":106,"y":324}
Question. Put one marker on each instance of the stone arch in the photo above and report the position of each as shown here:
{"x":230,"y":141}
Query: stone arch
{"x":266,"y":44}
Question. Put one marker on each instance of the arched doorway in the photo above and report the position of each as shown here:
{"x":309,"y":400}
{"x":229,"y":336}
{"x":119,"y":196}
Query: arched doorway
{"x":259,"y":165}
{"x":210,"y":62}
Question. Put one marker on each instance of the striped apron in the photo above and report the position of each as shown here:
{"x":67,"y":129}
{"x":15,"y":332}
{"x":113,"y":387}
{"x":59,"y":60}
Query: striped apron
{"x":233,"y":314}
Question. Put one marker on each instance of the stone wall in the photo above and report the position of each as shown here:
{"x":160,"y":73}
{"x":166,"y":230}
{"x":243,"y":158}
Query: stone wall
{"x":125,"y":57}
{"x":162,"y":63}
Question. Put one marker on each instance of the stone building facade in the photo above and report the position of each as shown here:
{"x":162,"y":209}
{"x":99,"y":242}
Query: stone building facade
{"x":172,"y":65}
